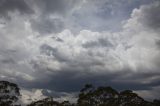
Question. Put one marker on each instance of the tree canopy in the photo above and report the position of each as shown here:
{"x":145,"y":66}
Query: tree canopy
{"x":9,"y":94}
{"x":88,"y":96}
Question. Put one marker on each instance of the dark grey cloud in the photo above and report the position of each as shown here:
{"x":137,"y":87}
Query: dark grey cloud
{"x":99,"y":15}
{"x":52,"y":52}
{"x":46,"y":26}
{"x":71,"y":81}
{"x":48,"y":50}
{"x":51,"y":13}
{"x":98,"y":43}
{"x":8,"y":61}
{"x":7,"y":6}
{"x":158,"y":43}
{"x":56,"y":6}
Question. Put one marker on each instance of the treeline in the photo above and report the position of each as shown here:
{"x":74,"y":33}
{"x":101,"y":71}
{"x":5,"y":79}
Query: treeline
{"x":88,"y":96}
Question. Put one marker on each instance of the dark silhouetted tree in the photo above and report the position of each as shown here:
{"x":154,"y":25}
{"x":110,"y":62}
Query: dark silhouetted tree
{"x":50,"y":102}
{"x":102,"y":96}
{"x":66,"y":103}
{"x":9,"y":94}
{"x":88,"y":96}
{"x":45,"y":102}
{"x":128,"y":98}
{"x":107,"y":96}
{"x":156,"y":102}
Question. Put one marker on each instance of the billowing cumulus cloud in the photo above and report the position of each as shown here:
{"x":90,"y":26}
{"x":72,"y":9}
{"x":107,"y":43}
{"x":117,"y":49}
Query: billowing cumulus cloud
{"x":148,"y":15}
{"x":62,"y":45}
{"x":51,"y":14}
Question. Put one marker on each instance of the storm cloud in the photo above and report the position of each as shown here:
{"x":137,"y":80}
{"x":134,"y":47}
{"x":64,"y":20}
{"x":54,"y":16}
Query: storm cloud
{"x":8,"y":6}
{"x":57,"y":46}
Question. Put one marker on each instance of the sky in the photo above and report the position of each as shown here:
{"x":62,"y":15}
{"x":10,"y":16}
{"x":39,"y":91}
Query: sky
{"x":54,"y":47}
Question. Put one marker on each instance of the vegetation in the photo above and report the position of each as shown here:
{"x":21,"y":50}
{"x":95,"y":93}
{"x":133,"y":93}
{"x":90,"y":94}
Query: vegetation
{"x":9,"y":94}
{"x":88,"y":96}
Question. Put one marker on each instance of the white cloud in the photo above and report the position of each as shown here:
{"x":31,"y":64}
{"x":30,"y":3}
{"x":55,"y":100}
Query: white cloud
{"x":29,"y":96}
{"x":149,"y":94}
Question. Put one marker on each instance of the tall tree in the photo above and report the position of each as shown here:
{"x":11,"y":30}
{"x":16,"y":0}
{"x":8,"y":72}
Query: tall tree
{"x":9,"y":94}
{"x":102,"y":96}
